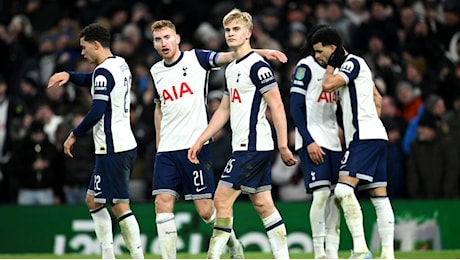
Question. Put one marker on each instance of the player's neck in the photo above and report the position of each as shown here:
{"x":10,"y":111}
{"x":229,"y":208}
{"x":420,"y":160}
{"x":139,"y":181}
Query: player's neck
{"x":242,"y":50}
{"x":105,"y":54}
{"x":174,"y":58}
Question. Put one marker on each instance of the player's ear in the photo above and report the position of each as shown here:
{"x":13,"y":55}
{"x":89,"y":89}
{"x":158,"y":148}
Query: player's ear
{"x":97,"y":45}
{"x":248,"y":35}
{"x":177,"y":38}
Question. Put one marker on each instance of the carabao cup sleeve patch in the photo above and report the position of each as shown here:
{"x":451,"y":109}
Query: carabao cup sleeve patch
{"x":300,"y":73}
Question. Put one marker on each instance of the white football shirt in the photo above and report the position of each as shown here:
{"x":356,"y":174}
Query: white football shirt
{"x":247,"y":79}
{"x":181,"y":90}
{"x":320,"y":106}
{"x":360,"y":118}
{"x":112,"y":83}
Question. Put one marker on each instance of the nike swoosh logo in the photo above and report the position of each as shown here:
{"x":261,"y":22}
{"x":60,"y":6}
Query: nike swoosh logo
{"x":97,"y":193}
{"x":343,"y":166}
{"x":201,"y":189}
{"x":224,"y":176}
{"x":319,"y":79}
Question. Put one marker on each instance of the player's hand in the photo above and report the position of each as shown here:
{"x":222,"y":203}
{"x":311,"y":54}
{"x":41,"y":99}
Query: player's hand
{"x":316,"y":153}
{"x":337,"y":57}
{"x":193,"y":152}
{"x":287,"y":157}
{"x":276,"y":55}
{"x":68,"y":145}
{"x":58,"y":79}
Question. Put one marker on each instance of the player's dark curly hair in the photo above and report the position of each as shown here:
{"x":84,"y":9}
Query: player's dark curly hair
{"x":327,"y":36}
{"x":307,"y":49}
{"x":96,"y":32}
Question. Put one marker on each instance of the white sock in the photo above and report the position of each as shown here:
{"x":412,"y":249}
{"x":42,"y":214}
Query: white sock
{"x":385,"y":225}
{"x":353,"y":215}
{"x":332,"y":228}
{"x":220,"y":236}
{"x":232,"y":241}
{"x":131,"y":234}
{"x":103,"y":229}
{"x":167,"y":234}
{"x":318,"y":220}
{"x":277,"y":235}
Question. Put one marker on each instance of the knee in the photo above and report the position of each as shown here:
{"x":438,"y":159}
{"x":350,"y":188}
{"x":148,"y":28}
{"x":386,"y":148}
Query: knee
{"x":164,"y":203}
{"x":205,"y":208}
{"x":89,"y":200}
{"x":264,"y":207}
{"x":343,"y":190}
{"x":321,"y":196}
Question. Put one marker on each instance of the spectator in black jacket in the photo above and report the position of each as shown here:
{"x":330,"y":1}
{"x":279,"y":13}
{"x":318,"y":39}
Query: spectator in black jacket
{"x":36,"y":168}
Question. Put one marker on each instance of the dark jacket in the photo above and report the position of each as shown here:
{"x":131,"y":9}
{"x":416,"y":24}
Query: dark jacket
{"x":433,"y":169}
{"x":23,"y":158}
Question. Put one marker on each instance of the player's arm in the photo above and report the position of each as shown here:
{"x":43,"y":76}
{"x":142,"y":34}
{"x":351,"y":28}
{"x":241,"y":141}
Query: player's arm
{"x":331,"y":81}
{"x":218,"y":120}
{"x":224,"y":58}
{"x":158,"y":115}
{"x":273,"y":99}
{"x":92,"y":117}
{"x":299,"y":115}
{"x":272,"y":54}
{"x":378,"y":101}
{"x":78,"y":78}
{"x":299,"y":87}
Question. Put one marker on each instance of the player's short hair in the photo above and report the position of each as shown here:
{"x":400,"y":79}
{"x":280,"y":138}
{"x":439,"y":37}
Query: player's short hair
{"x":308,"y":46}
{"x":237,"y":15}
{"x":158,"y":25}
{"x":96,"y":32}
{"x":327,"y":36}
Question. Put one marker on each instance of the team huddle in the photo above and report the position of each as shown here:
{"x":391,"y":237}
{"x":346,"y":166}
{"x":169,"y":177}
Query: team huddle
{"x":333,"y":164}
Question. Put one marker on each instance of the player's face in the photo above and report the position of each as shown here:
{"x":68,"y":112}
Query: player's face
{"x":166,"y":43}
{"x":88,"y":50}
{"x":322,"y":53}
{"x":236,"y":34}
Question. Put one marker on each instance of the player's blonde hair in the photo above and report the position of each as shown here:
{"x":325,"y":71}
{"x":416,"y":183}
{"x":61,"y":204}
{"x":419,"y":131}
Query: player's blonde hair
{"x":160,"y":24}
{"x":237,"y":15}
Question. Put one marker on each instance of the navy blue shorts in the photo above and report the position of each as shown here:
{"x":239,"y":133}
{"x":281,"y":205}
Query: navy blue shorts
{"x":367,"y":161}
{"x":110,"y":180}
{"x":322,"y":175}
{"x":249,"y":172}
{"x":174,"y":174}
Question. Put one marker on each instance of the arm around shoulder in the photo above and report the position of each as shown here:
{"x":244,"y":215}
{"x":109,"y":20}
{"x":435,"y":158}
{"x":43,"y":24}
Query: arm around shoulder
{"x":331,"y":81}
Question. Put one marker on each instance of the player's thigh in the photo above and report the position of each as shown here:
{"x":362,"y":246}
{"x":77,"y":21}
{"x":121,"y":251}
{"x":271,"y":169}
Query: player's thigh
{"x":225,"y":196}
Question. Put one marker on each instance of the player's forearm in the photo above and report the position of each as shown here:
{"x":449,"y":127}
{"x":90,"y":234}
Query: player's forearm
{"x":279,"y":121}
{"x":157,"y":122}
{"x":377,"y":101}
{"x":224,"y":58}
{"x":80,"y":78}
{"x":331,"y":82}
{"x":218,"y":121}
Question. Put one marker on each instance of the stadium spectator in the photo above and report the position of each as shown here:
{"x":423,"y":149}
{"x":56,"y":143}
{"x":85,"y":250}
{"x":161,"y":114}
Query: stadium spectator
{"x":11,"y":115}
{"x":433,"y":104}
{"x":37,"y":168}
{"x":432,"y":167}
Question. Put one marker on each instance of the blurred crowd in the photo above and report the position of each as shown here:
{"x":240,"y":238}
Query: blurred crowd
{"x":412,"y":47}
